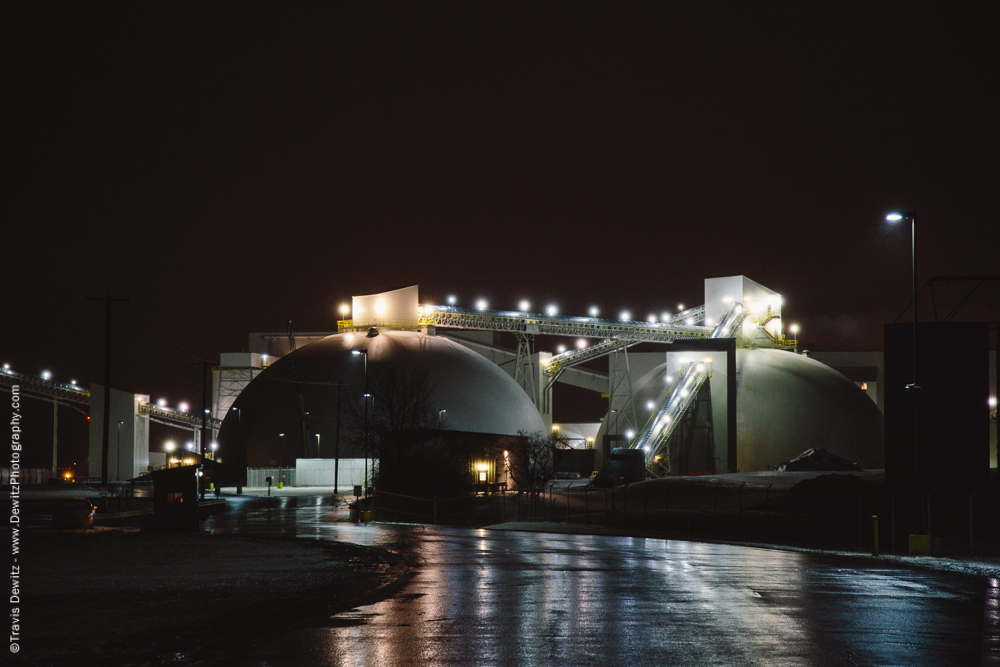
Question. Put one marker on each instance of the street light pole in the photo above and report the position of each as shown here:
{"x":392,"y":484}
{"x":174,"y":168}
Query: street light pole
{"x":119,"y":448}
{"x":365,"y":353}
{"x":915,"y":385}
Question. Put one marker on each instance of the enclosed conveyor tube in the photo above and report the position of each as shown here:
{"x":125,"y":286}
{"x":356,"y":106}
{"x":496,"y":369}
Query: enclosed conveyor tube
{"x":661,"y":425}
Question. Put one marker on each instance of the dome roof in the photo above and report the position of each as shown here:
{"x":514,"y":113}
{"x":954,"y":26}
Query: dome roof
{"x":787,"y":403}
{"x":476,"y":394}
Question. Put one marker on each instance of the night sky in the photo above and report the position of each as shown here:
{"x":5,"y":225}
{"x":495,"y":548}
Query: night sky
{"x":231,"y":166}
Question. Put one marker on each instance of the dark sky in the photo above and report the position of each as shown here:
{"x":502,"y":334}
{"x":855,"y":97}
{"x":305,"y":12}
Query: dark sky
{"x":231,"y":166}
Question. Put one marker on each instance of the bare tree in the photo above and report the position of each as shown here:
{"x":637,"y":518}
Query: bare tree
{"x":532,"y":458}
{"x":413,"y":457}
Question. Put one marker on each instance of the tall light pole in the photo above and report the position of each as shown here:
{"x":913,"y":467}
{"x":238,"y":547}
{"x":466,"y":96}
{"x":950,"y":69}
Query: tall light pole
{"x":913,"y":387}
{"x":119,"y":448}
{"x":365,"y":352}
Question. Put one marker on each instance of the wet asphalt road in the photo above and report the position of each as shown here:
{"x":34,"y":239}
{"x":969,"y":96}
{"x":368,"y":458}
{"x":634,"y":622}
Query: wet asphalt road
{"x":483,"y":597}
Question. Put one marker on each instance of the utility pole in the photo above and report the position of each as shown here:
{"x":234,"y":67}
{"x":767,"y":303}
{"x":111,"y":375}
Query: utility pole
{"x":204,"y":415}
{"x":336,"y":446}
{"x":109,"y":303}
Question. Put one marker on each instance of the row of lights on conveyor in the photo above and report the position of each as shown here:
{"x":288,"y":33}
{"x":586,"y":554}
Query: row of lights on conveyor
{"x":552,"y":310}
{"x":46,"y":375}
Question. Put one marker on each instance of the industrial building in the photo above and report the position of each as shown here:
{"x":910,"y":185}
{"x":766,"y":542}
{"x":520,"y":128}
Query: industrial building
{"x":716,"y":388}
{"x":670,"y":384}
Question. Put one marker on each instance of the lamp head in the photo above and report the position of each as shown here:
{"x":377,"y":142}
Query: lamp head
{"x":896,"y":216}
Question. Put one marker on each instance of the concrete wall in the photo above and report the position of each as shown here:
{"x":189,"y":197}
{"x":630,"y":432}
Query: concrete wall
{"x":128,"y":443}
{"x":319,"y":472}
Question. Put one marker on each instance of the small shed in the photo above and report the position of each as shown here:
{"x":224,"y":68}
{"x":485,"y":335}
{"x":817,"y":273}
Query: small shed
{"x":175,"y":498}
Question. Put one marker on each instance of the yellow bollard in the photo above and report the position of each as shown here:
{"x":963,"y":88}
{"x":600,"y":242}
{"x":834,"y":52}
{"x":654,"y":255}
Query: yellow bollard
{"x":875,"y":535}
{"x":281,"y":485}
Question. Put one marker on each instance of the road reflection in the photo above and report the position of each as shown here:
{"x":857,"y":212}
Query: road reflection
{"x":498,"y":598}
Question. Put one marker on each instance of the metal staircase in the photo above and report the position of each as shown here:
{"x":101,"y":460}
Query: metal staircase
{"x":656,"y":433}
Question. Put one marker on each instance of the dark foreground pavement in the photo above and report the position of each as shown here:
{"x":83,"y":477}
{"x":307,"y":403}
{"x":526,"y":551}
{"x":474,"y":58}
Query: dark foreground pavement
{"x":247,"y":594}
{"x":508,"y":598}
{"x":481,"y":597}
{"x":121,"y":597}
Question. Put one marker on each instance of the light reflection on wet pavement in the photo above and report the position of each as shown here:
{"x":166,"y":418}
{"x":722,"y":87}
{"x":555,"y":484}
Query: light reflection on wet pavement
{"x":505,"y":598}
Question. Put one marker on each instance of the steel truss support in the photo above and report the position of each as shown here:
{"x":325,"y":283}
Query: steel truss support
{"x":524,"y":372}
{"x":621,"y":392}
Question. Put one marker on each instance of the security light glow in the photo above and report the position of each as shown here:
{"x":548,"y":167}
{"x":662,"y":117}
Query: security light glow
{"x":163,"y":403}
{"x":646,"y":449}
{"x":794,"y":328}
{"x":680,"y":306}
{"x":551,"y":311}
{"x":670,"y":378}
{"x":183,"y":407}
{"x":46,"y":375}
{"x":452,"y":300}
{"x":894,"y":217}
{"x":689,"y":321}
{"x":481,"y":304}
{"x":581,"y":343}
{"x":215,"y":446}
{"x":630,"y":434}
{"x":992,"y":401}
{"x":561,"y":349}
{"x":651,"y":319}
{"x":169,"y":445}
{"x":594,"y":311}
{"x":650,"y":405}
{"x":625,"y":316}
{"x":344,"y":309}
{"x":190,"y":446}
{"x":6,"y":367}
{"x":524,"y":306}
